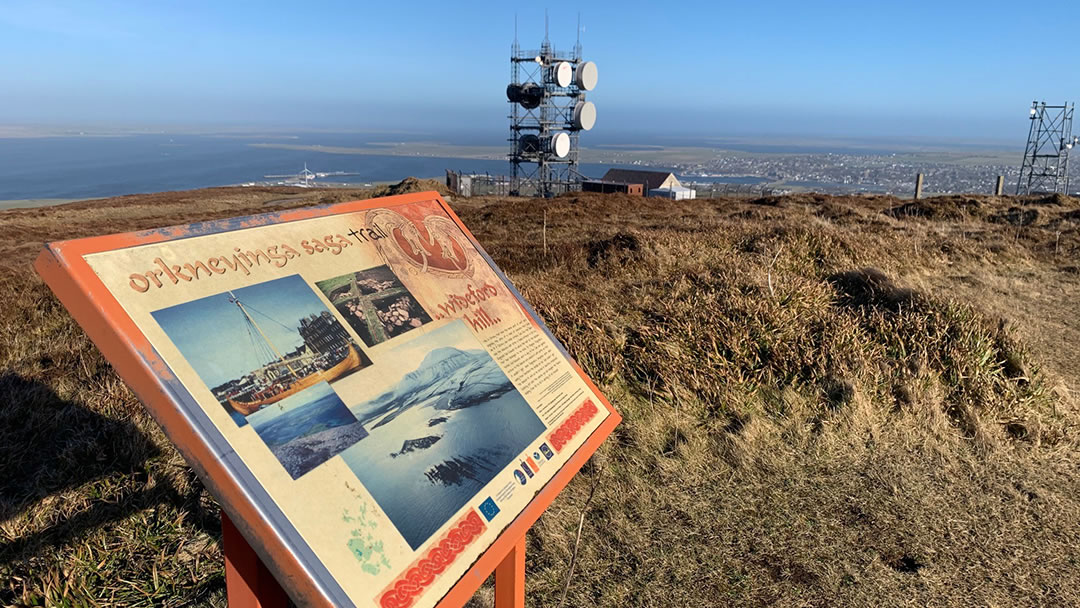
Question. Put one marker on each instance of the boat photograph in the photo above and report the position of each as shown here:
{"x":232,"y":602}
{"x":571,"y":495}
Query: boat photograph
{"x":258,"y":345}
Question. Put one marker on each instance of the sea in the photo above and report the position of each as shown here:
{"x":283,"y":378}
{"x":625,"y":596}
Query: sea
{"x":90,"y":166}
{"x":312,"y":411}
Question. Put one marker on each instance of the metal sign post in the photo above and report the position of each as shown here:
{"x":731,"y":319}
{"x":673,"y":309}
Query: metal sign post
{"x":510,"y":578}
{"x":248,"y":582}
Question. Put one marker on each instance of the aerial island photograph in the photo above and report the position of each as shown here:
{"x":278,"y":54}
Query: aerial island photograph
{"x":796,"y":285}
{"x":440,"y":431}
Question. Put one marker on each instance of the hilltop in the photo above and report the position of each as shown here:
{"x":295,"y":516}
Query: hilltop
{"x":828,"y":401}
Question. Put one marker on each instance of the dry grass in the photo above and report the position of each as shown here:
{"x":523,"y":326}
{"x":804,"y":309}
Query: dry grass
{"x":826,"y":403}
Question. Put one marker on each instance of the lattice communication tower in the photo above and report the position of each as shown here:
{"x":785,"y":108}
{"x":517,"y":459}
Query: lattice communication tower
{"x":548,"y":111}
{"x":1046,"y":158}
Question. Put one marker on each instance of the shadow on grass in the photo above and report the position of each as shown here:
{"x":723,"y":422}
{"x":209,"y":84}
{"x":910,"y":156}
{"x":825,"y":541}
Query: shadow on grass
{"x":49,"y":445}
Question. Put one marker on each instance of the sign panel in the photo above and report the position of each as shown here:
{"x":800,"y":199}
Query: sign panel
{"x":365,"y":392}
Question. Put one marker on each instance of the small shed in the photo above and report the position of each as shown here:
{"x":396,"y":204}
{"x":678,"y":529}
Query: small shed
{"x":675,"y":193}
{"x":459,"y":183}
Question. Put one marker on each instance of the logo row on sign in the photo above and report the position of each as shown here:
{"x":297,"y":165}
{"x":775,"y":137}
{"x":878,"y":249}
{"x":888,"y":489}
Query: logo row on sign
{"x":530,"y":465}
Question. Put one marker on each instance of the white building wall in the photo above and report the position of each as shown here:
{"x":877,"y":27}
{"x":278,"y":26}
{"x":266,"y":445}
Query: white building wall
{"x":677,"y":193}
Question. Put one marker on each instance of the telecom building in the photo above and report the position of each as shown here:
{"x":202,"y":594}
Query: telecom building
{"x":662,"y":184}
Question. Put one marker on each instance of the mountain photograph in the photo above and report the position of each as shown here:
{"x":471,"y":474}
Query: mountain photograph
{"x":439,"y":433}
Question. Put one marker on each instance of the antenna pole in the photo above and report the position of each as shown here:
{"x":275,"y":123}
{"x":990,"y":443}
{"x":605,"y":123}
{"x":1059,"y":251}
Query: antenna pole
{"x":577,"y":45}
{"x":546,"y":41}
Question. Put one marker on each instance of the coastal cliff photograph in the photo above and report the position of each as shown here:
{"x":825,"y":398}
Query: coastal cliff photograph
{"x":440,"y":432}
{"x":307,"y":429}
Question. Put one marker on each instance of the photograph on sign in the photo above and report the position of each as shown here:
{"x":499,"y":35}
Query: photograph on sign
{"x":375,"y":376}
{"x":308,"y":428}
{"x":375,"y":304}
{"x":250,"y":358}
{"x":440,"y":431}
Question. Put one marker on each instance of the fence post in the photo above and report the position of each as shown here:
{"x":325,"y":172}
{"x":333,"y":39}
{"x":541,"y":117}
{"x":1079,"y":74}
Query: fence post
{"x":999,"y":189}
{"x":918,"y":185}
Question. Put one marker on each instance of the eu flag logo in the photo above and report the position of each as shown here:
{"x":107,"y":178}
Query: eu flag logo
{"x":489,"y":509}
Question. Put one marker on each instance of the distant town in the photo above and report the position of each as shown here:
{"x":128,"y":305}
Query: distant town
{"x":715,"y":172}
{"x":946,"y":168}
{"x":847,"y":173}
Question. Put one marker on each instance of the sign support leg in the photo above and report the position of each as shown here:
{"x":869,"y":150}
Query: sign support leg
{"x":510,"y":578}
{"x":248,"y":582}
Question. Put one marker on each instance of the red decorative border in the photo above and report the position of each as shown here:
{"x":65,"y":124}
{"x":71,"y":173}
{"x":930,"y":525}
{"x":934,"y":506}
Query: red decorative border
{"x":406,"y":588}
{"x":570,"y":427}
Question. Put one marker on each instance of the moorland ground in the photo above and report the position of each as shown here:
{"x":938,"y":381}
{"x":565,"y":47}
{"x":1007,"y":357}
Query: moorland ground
{"x":855,"y":401}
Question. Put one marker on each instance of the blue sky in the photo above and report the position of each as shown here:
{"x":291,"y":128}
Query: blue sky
{"x":953,"y":69}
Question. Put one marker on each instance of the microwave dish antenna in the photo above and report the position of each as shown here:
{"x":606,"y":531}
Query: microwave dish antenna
{"x":584,"y":115}
{"x":586,"y":76}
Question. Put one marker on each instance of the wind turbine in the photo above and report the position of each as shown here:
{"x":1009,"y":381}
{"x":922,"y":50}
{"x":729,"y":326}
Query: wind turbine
{"x":307,"y":176}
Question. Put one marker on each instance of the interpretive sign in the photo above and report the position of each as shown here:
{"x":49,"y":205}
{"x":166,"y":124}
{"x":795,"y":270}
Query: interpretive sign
{"x":370,"y":399}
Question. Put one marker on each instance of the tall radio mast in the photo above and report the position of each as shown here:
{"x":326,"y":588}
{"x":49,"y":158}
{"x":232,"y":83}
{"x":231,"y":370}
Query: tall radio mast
{"x":548,"y":111}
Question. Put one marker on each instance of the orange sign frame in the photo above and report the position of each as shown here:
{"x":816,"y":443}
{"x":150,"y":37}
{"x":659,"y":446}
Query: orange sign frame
{"x":83,"y":293}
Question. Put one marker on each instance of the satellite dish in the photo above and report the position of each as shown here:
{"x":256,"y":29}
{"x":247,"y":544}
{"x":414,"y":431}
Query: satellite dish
{"x":560,"y":144}
{"x":528,"y":95}
{"x":562,"y":73}
{"x":528,"y":144}
{"x":586,"y":75}
{"x":584,"y":115}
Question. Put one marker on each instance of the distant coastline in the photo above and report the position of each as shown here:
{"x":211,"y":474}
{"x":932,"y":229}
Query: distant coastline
{"x":33,"y":203}
{"x":67,"y":166}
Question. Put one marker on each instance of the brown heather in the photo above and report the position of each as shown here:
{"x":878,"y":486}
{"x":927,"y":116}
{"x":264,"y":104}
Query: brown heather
{"x":828,"y":401}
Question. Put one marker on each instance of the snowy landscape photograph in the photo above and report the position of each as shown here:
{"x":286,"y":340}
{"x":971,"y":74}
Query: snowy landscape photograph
{"x":438,"y":433}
